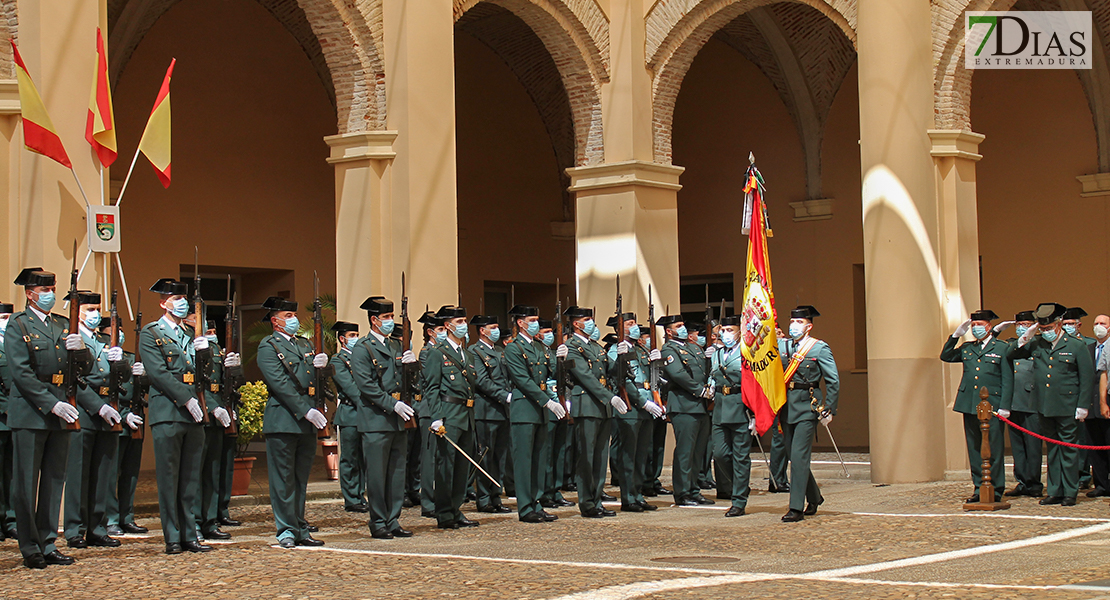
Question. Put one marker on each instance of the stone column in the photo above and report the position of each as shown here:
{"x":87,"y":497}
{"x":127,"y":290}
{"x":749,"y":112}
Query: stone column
{"x":907,"y":304}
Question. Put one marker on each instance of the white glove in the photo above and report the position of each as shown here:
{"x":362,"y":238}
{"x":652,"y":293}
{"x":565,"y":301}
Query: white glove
{"x":509,"y":398}
{"x":115,"y":354}
{"x":1080,"y":414}
{"x":710,"y":351}
{"x":404,"y":410}
{"x":109,"y":414}
{"x":320,"y":361}
{"x":623,"y":348}
{"x":751,"y":425}
{"x":655,"y":354}
{"x":133,"y":420}
{"x":65,"y":411}
{"x":562,"y":351}
{"x":1003,"y":325}
{"x":138,"y":369}
{"x":317,"y":418}
{"x":653,"y":408}
{"x":74,"y":342}
{"x":619,"y":404}
{"x":962,"y":329}
{"x":408,"y":358}
{"x":826,"y":418}
{"x":709,"y":391}
{"x":556,"y":408}
{"x":221,"y":415}
{"x":200,"y":343}
{"x":1029,"y":335}
{"x":233,"y":359}
{"x":1005,"y":414}
{"x":437,"y":427}
{"x":194,"y":409}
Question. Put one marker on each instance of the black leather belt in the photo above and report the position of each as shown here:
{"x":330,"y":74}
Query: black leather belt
{"x":803,"y":386}
{"x":729,"y":390}
{"x":460,"y":401}
{"x":52,"y":378}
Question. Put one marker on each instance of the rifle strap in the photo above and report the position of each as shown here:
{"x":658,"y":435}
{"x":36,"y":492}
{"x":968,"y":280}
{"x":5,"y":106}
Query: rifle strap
{"x":30,"y":347}
{"x":288,"y":368}
{"x":462,"y":367}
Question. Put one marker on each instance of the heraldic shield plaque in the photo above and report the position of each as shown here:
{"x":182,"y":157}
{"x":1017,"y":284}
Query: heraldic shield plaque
{"x":103,"y":228}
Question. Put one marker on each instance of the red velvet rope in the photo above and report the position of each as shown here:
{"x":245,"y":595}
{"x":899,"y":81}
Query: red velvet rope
{"x":1047,"y":439}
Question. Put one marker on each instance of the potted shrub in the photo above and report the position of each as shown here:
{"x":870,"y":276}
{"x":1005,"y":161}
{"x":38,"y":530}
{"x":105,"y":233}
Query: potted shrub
{"x":252,"y":405}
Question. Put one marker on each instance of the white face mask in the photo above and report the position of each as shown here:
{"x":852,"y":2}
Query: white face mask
{"x":1101,"y":331}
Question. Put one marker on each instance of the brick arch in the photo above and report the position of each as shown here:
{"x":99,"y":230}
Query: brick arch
{"x":676,"y":32}
{"x":9,"y":21}
{"x":575,"y":34}
{"x":341,"y":40}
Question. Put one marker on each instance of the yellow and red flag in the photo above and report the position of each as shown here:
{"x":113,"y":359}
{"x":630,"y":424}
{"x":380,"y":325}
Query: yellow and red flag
{"x":155,"y":143}
{"x":38,"y":130}
{"x":100,"y":128}
{"x":764,"y":389}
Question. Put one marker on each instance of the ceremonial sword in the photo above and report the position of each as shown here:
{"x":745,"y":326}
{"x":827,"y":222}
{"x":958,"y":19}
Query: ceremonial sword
{"x":467,"y":457}
{"x":833,"y":440}
{"x":767,"y":458}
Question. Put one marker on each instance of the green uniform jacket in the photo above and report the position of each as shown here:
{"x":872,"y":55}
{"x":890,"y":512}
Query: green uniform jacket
{"x":729,"y":408}
{"x":168,"y":350}
{"x":289,"y":400}
{"x":492,"y":388}
{"x":818,"y":363}
{"x":449,"y":374}
{"x":5,"y":384}
{"x":421,"y":407}
{"x":589,"y":394}
{"x":1023,"y":397}
{"x":377,"y":371}
{"x":984,"y":365}
{"x":93,"y":397}
{"x":32,"y":394}
{"x":635,"y":383}
{"x":684,"y":369}
{"x":346,"y":413}
{"x":1063,"y":376}
{"x":529,"y":365}
{"x":214,"y":397}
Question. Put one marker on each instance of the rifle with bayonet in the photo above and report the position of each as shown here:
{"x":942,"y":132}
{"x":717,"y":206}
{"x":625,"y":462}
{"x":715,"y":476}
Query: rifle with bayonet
{"x":115,"y":372}
{"x":142,"y":382}
{"x":201,"y":357}
{"x":708,"y":342}
{"x":622,"y":360}
{"x":562,"y":375}
{"x":320,"y":389}
{"x":232,"y":375}
{"x":408,"y":371}
{"x":656,"y":365}
{"x":73,"y":361}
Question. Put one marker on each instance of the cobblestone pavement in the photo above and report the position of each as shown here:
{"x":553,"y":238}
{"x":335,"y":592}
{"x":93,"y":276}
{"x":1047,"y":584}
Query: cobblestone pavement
{"x":868,"y":541}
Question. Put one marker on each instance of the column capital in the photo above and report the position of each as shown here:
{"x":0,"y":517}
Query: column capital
{"x":958,"y":143}
{"x":1097,"y":184}
{"x":9,"y":97}
{"x":631,"y":173}
{"x":361,"y":145}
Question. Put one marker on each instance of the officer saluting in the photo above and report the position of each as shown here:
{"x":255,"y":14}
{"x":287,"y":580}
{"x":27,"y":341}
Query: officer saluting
{"x":985,"y":365}
{"x":36,"y":344}
{"x":1025,"y":406}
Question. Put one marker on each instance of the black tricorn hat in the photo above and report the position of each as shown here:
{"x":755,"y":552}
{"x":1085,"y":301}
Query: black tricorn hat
{"x":1025,"y":315}
{"x":670,"y":320}
{"x":577,"y":312}
{"x":731,"y":320}
{"x":275,"y":304}
{"x":612,"y":322}
{"x":1049,"y":312}
{"x":87,"y":297}
{"x":429,"y":319}
{"x":804,"y":311}
{"x":609,"y":339}
{"x":169,"y":287}
{"x":450,"y":311}
{"x":33,"y":276}
{"x":6,"y":309}
{"x":984,"y":314}
{"x":521,"y":310}
{"x":377,"y":305}
{"x":483,"y":320}
{"x":210,"y":324}
{"x":546,"y":324}
{"x":695,"y":328}
{"x":1075,"y":313}
{"x":344,"y":327}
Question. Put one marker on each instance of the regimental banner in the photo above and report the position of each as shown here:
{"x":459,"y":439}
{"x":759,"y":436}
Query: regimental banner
{"x":103,"y":228}
{"x":1056,"y":39}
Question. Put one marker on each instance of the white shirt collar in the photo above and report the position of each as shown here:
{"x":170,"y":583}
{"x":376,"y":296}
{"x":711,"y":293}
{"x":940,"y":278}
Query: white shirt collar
{"x":169,"y":322}
{"x":377,"y":336}
{"x":284,"y":335}
{"x":986,"y":340}
{"x":486,"y":344}
{"x":453,"y":344}
{"x":526,"y":337}
{"x":584,"y":338}
{"x":41,"y":315}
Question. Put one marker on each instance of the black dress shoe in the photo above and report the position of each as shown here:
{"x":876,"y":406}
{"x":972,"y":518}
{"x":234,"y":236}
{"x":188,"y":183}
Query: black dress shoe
{"x":1017,"y":491}
{"x":563,"y":502}
{"x":428,"y":514}
{"x":358,"y":508}
{"x":401,"y":533}
{"x":605,"y":512}
{"x":381,"y":534}
{"x":35,"y":561}
{"x":703,"y":500}
{"x":548,"y":517}
{"x":685,"y":502}
{"x":707,"y":485}
{"x":11,"y":532}
{"x":1097,"y":492}
{"x":532,"y":518}
{"x":471,"y":496}
{"x":132,"y":528}
{"x":1051,"y":500}
{"x":793,"y":516}
{"x":57,"y":558}
{"x":646,"y":506}
{"x":112,"y":530}
{"x":196,"y":547}
{"x":173,"y":548}
{"x":1068,"y":501}
{"x":465,"y":522}
{"x":631,"y":508}
{"x":735,"y":511}
{"x":101,"y":541}
{"x":77,"y":541}
{"x":407,"y":503}
{"x":549,"y":504}
{"x":310,"y":542}
{"x":227,"y":522}
{"x":662,"y":491}
{"x":216,"y":534}
{"x":312,"y":528}
{"x":593,"y":514}
{"x":975,"y":498}
{"x":811,"y":508}
{"x":649,"y":492}
{"x":287,"y":543}
{"x":607,"y":498}
{"x":570,"y":487}
{"x":501,"y":509}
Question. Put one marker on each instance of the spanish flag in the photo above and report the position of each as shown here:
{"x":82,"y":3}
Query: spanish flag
{"x":38,"y":131}
{"x":764,"y":389}
{"x":155,"y":143}
{"x":99,"y":125}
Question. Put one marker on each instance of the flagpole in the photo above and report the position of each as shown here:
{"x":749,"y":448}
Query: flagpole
{"x":80,"y":187}
{"x":127,"y":179}
{"x":123,"y":282}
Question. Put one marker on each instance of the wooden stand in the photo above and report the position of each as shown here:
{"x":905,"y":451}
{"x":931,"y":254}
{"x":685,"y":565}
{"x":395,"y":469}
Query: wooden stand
{"x":986,"y":487}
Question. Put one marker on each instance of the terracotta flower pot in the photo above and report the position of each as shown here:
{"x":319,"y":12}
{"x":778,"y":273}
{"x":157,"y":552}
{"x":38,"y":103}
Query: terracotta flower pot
{"x":331,"y":455}
{"x":241,"y":481}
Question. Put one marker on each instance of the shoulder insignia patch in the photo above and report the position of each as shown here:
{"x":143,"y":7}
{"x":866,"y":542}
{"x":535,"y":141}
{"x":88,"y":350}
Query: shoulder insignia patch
{"x":670,"y":359}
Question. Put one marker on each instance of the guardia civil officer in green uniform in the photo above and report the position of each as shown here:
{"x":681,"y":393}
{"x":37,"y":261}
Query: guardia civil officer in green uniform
{"x":92,"y":450}
{"x":689,"y":391}
{"x":7,"y":515}
{"x":557,"y":454}
{"x":634,"y":425}
{"x":231,"y":379}
{"x":700,"y":337}
{"x":288,"y":364}
{"x":1073,"y":321}
{"x":733,"y":425}
{"x":592,"y":403}
{"x":529,"y":372}
{"x":1062,"y":375}
{"x":449,"y":391}
{"x":37,"y":344}
{"x":1022,"y":407}
{"x":434,"y":333}
{"x":653,"y":466}
{"x":376,"y":362}
{"x":208,"y":501}
{"x":491,"y":411}
{"x":985,"y":365}
{"x":805,"y":405}
{"x":351,"y":464}
{"x":124,"y":474}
